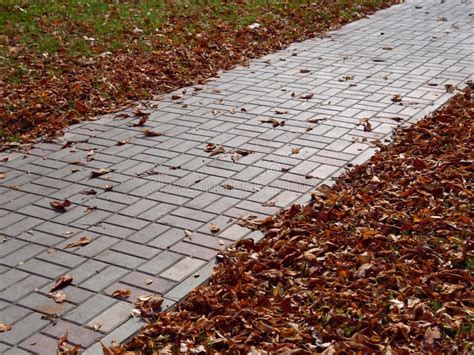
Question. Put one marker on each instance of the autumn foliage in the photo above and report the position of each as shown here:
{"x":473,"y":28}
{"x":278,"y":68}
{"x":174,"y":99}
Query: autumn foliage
{"x":381,"y":262}
{"x":57,"y":66}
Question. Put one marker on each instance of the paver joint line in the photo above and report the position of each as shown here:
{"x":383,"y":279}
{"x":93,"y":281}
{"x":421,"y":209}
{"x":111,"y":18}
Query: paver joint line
{"x":162,"y":186}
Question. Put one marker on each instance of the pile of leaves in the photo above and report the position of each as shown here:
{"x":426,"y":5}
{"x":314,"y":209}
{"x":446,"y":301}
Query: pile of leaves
{"x":63,"y":61}
{"x":380,"y":262}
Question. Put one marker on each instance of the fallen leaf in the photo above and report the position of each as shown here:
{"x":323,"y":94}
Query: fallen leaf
{"x":150,"y":133}
{"x":100,"y":172}
{"x":295,"y":150}
{"x":4,"y":327}
{"x":148,"y":281}
{"x":123,"y":142}
{"x":3,"y":175}
{"x":273,"y":121}
{"x":61,"y":282}
{"x":218,"y":150}
{"x":122,"y":293}
{"x":88,"y":192}
{"x":60,"y":205}
{"x":214,"y":228}
{"x":367,"y":126}
{"x":396,"y":98}
{"x":96,"y":326}
{"x":227,"y":186}
{"x":78,"y":243}
{"x":3,"y":159}
{"x":141,"y":122}
{"x":316,"y":120}
{"x":209,"y":147}
{"x":58,"y":296}
{"x":188,"y":233}
{"x":305,"y":71}
{"x":279,"y":112}
{"x":66,"y":349}
{"x":175,"y":97}
{"x":449,"y":88}
{"x":307,"y":96}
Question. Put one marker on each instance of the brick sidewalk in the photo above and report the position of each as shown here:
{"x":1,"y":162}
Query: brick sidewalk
{"x":162,"y":186}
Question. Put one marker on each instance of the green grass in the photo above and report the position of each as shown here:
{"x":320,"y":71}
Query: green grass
{"x":47,"y":26}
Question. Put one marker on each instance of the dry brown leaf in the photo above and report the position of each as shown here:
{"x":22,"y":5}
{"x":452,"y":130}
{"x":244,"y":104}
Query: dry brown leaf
{"x":58,"y":296}
{"x":295,"y":150}
{"x":3,"y":175}
{"x":316,"y":120}
{"x":150,"y":133}
{"x":275,"y":123}
{"x":141,"y":122}
{"x":78,"y":243}
{"x":227,"y":186}
{"x":214,"y":228}
{"x":100,"y":172}
{"x":122,"y":293}
{"x":88,"y":192}
{"x":60,"y":205}
{"x":123,"y":142}
{"x":188,"y":233}
{"x":307,"y":96}
{"x":305,"y":71}
{"x":396,"y":98}
{"x":4,"y":327}
{"x":218,"y":150}
{"x":61,"y":282}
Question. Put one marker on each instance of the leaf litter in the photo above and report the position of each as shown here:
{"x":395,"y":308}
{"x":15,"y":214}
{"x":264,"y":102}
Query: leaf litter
{"x":158,"y":49}
{"x":381,"y":262}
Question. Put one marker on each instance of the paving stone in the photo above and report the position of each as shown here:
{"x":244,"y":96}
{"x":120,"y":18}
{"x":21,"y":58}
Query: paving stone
{"x":40,"y":344}
{"x":61,"y":258}
{"x":46,"y":305}
{"x":104,"y":278}
{"x":22,"y":287}
{"x":16,"y":351}
{"x":120,"y":259}
{"x":160,"y":262}
{"x":113,"y":316}
{"x":184,"y":287}
{"x":13,"y":313}
{"x":148,"y":233}
{"x":76,"y":334}
{"x":234,"y":232}
{"x":193,"y":250}
{"x":87,"y":310}
{"x":23,"y":329}
{"x":182,"y":268}
{"x":119,"y":335}
{"x":43,"y":268}
{"x":147,"y":282}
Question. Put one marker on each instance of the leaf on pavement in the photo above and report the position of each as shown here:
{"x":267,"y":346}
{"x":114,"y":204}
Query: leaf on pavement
{"x":122,"y":293}
{"x":150,"y":133}
{"x":58,"y":296}
{"x":214,"y":228}
{"x":4,"y":327}
{"x":78,"y":243}
{"x":60,"y":205}
{"x":100,"y":172}
{"x":61,"y":282}
{"x":275,"y":123}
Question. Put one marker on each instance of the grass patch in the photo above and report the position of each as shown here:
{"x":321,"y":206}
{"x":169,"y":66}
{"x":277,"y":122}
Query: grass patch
{"x":47,"y":46}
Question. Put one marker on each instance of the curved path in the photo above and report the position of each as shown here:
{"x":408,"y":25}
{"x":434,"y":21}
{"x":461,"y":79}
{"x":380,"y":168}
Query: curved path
{"x":162,"y":186}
